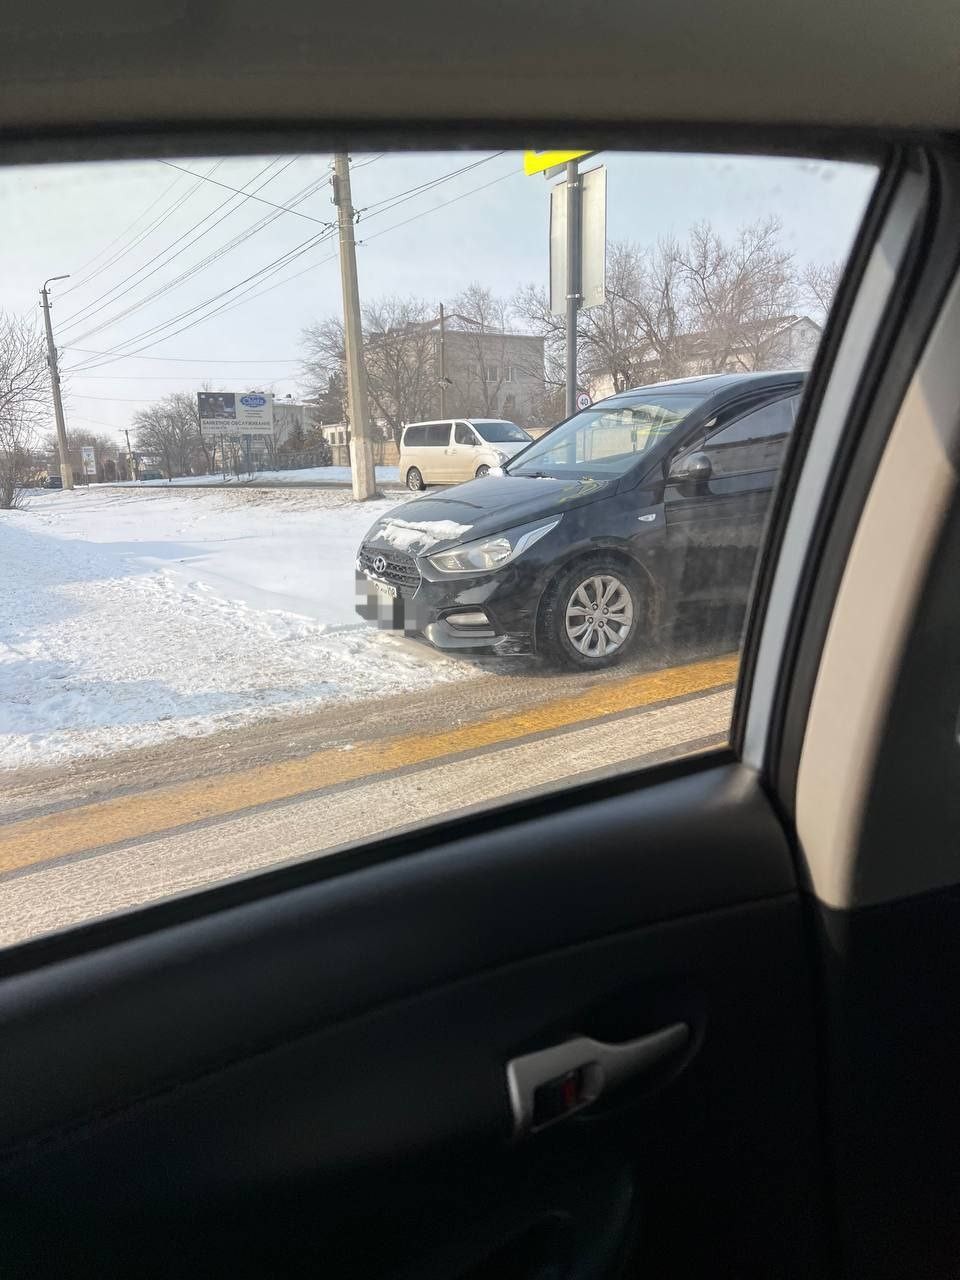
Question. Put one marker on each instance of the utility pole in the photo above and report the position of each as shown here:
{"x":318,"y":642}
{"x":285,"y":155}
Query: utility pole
{"x":574,"y":206}
{"x":126,"y":432}
{"x":361,"y":453}
{"x":66,"y":470}
{"x":443,"y":367}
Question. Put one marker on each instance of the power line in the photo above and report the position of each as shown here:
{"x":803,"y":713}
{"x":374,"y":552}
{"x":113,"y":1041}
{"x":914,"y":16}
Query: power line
{"x":90,"y":261}
{"x":91,"y":308}
{"x":400,"y":196}
{"x":196,"y":267}
{"x":283,"y":208}
{"x":192,"y":359}
{"x":278,"y":265}
{"x":259,"y":293}
{"x":139,"y":238}
{"x":443,"y":204}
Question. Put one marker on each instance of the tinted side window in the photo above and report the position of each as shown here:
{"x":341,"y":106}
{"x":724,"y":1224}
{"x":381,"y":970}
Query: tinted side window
{"x":414,"y":436}
{"x":438,"y":434}
{"x":756,"y":441}
{"x":463,"y":434}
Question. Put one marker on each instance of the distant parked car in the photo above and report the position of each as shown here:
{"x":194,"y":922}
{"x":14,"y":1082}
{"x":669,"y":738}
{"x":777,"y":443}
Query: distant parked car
{"x":456,"y":449}
{"x":53,"y":482}
{"x":150,"y":475}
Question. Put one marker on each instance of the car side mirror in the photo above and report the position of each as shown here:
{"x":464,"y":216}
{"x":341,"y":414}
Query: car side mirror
{"x":696,"y":466}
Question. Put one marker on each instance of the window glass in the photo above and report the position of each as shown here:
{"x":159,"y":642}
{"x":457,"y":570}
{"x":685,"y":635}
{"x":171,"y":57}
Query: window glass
{"x":606,"y":442}
{"x":755,"y":441}
{"x":501,"y":432}
{"x":242,"y":626}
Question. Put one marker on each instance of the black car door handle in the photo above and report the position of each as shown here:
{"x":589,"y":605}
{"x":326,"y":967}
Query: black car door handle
{"x":554,"y":1083}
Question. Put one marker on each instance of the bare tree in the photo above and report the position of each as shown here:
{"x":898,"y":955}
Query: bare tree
{"x":819,"y":282}
{"x":23,"y":403}
{"x":735,"y":293}
{"x":399,"y":351}
{"x":168,"y":433}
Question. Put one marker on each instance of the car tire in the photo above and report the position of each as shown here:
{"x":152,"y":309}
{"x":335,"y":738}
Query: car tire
{"x":415,"y":480}
{"x":482,"y":471}
{"x":575,"y":630}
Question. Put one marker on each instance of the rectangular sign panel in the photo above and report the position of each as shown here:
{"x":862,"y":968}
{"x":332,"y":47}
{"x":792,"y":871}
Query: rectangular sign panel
{"x":593,"y":241}
{"x":89,"y":456}
{"x":232,"y":413}
{"x":593,"y":237}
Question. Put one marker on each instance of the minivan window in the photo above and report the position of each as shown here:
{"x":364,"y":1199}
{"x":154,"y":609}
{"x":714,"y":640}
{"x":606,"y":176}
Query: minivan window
{"x":414,"y":436}
{"x":438,"y":434}
{"x":463,"y":434}
{"x":607,"y":441}
{"x":501,"y":432}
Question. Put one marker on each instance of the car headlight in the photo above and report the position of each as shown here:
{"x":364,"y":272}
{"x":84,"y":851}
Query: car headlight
{"x":493,"y":552}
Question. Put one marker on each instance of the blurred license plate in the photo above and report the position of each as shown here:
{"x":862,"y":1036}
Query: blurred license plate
{"x":383,"y":588}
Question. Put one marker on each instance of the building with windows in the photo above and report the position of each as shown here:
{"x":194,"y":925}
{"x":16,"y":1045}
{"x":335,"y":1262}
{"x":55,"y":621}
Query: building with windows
{"x":785,"y":342}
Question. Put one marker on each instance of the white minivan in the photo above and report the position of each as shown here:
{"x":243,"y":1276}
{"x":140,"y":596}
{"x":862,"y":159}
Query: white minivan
{"x":456,"y":449}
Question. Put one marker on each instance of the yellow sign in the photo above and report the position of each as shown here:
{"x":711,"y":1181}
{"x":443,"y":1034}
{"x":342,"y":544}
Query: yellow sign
{"x":538,"y":161}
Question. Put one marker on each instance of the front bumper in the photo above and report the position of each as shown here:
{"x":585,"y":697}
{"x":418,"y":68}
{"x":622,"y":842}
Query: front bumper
{"x":423,"y":611}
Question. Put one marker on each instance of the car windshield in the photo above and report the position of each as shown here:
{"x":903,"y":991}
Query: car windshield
{"x":607,"y":440}
{"x":501,"y":432}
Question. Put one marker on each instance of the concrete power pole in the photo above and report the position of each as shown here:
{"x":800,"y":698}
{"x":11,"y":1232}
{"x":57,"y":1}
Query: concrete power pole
{"x":443,"y":380}
{"x":361,"y":452}
{"x":66,"y":470}
{"x":573,"y":281}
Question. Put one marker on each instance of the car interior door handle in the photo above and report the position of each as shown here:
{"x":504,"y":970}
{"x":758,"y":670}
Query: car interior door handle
{"x":554,"y":1083}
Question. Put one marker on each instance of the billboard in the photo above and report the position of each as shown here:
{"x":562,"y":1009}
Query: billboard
{"x":235,"y":413}
{"x":88,"y":455}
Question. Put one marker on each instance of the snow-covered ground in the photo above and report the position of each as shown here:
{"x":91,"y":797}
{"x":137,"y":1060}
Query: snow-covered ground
{"x":131,"y":618}
{"x":305,"y":475}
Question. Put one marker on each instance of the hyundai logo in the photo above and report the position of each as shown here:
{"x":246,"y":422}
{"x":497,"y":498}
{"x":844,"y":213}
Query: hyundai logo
{"x":379,"y":565}
{"x":253,"y":402}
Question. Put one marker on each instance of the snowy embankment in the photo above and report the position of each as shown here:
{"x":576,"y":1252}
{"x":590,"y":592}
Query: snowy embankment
{"x":304,"y":476}
{"x":131,"y":619}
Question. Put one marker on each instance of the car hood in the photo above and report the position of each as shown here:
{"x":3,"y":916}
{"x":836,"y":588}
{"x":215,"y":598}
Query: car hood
{"x":479,"y":508}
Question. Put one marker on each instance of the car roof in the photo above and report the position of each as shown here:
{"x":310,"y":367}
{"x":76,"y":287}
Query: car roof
{"x":711,"y":384}
{"x":354,"y":67}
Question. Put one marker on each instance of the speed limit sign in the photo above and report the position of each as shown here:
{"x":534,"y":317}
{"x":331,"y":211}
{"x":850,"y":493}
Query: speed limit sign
{"x":583,"y":401}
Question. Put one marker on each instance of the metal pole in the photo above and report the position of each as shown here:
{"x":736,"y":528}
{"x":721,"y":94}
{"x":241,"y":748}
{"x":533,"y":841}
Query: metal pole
{"x":361,"y":454}
{"x":443,"y":367}
{"x":574,"y":206}
{"x":130,"y":475}
{"x":66,"y":470}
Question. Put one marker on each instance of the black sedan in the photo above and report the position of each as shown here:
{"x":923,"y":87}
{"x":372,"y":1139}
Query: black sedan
{"x":640,"y":510}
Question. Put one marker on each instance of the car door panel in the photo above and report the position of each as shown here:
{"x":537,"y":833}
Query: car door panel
{"x":254,"y":1080}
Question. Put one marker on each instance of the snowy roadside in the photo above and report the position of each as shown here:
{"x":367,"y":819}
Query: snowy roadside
{"x":303,"y":476}
{"x":131,"y":619}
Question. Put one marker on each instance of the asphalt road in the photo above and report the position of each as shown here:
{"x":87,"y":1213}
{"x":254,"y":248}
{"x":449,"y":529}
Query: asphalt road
{"x":130,"y":829}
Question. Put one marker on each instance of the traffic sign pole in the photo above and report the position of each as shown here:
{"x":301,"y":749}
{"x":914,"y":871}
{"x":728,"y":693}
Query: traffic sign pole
{"x":573,"y":281}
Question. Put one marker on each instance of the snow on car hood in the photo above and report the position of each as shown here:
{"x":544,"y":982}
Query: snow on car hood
{"x":418,"y":536}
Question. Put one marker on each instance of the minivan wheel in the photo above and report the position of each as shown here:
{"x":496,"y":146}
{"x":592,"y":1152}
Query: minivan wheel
{"x":415,"y":480}
{"x":592,"y":615}
{"x":482,"y":471}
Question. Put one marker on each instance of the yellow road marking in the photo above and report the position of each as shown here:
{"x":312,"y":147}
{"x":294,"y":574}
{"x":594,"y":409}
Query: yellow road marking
{"x":128,"y":817}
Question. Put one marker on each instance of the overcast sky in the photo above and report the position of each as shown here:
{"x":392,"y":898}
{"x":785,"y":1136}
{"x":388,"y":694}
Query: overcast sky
{"x":105,"y":223}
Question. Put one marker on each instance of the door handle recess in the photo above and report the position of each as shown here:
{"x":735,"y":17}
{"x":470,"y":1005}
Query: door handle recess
{"x":554,"y":1083}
